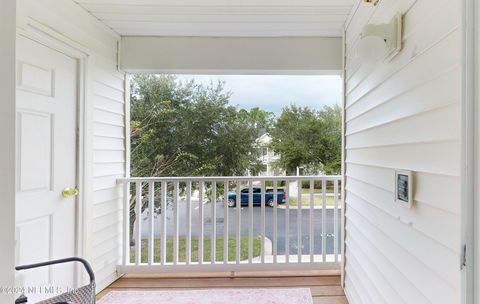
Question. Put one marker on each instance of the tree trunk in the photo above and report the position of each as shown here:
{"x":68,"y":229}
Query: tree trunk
{"x":133,"y":217}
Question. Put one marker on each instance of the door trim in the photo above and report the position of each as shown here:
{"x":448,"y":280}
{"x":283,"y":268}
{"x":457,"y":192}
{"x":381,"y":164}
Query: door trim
{"x":84,"y":153}
{"x":469,"y":157}
{"x":472,"y":33}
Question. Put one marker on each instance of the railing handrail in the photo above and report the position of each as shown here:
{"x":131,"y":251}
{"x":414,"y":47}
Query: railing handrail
{"x":229,"y":178}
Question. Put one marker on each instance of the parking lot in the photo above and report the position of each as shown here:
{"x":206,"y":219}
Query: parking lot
{"x":269,"y":227}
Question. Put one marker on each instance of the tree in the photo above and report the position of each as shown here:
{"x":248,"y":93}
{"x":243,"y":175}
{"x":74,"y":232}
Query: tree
{"x":308,"y":138}
{"x":188,"y":129}
{"x":331,"y":121}
{"x":259,"y":119}
{"x":183,"y":129}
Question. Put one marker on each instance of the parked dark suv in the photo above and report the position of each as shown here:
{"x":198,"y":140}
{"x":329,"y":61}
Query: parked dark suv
{"x":257,"y":197}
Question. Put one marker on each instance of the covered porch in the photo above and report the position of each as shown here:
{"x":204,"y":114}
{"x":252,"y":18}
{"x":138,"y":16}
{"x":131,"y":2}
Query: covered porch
{"x":407,"y":109}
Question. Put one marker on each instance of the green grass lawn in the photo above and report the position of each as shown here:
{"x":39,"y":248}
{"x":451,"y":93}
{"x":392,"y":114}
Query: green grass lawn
{"x":194,"y":252}
{"x":317,"y":201}
{"x":316,"y":191}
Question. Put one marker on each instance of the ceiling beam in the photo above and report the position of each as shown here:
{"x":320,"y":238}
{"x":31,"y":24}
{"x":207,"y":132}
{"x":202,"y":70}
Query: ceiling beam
{"x":239,"y":55}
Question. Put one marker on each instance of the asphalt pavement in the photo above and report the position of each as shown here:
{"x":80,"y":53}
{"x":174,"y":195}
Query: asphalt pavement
{"x":269,"y":226}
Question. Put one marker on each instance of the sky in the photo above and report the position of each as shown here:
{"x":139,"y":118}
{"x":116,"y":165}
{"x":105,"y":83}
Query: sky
{"x":273,"y":92}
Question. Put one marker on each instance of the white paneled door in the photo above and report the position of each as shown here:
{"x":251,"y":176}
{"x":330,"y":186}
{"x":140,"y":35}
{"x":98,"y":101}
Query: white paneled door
{"x":46,"y":165}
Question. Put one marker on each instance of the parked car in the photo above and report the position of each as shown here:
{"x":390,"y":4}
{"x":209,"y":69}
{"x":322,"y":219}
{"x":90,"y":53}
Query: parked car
{"x":257,"y":197}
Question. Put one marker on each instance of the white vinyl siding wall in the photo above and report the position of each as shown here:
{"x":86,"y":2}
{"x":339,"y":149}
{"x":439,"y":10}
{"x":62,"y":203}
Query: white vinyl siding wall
{"x":106,"y":163}
{"x":404,"y":114}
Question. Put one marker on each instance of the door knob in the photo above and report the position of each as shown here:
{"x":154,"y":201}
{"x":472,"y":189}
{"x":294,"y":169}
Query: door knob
{"x":70,"y":192}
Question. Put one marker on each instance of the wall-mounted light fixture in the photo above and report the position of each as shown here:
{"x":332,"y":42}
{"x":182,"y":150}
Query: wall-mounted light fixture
{"x":374,"y":2}
{"x":390,"y":33}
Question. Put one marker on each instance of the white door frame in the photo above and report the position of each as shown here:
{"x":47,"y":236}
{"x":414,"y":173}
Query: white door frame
{"x":34,"y":30}
{"x":473,"y":33}
{"x":469,"y":153}
{"x":7,"y":153}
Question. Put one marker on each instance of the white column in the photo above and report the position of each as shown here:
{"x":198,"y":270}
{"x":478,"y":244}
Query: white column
{"x":7,"y":153}
{"x":476,"y":157}
{"x":476,"y":233}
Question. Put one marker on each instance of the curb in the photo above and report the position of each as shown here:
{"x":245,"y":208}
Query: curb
{"x":308,"y":207}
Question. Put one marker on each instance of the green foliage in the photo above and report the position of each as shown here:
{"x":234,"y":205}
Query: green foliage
{"x":331,"y":120}
{"x":187,"y":129}
{"x":308,"y":138}
{"x":258,"y":118}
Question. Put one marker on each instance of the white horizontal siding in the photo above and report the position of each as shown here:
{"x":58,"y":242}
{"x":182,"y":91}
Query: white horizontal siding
{"x":404,"y":114}
{"x":108,"y":117}
{"x":416,"y":156}
{"x":112,"y":168}
{"x":396,"y":80}
{"x":103,"y":182}
{"x":414,"y":242}
{"x":103,"y":157}
{"x":110,"y":244}
{"x":431,"y":125}
{"x":109,"y":164}
{"x":108,"y":130}
{"x":427,"y":186}
{"x":105,"y":195}
{"x":101,"y":143}
{"x":106,"y":233}
{"x":377,"y":276}
{"x":104,"y":276}
{"x":106,"y":85}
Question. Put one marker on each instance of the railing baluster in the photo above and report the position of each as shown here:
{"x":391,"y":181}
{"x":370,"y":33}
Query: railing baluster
{"x":312,"y":210}
{"x":250,"y":221}
{"x":343,"y":197}
{"x":262,"y":221}
{"x":200,"y":222}
{"x":275,"y":221}
{"x":175,"y":223}
{"x":188,"y":219}
{"x":126,"y":223}
{"x":299,"y":222}
{"x":225,"y":222}
{"x":138,"y":224}
{"x":335,"y":219}
{"x":151,"y":213}
{"x":239,"y":224}
{"x":287,"y":222}
{"x":163,"y":224}
{"x":213,"y":250}
{"x":324,"y":220}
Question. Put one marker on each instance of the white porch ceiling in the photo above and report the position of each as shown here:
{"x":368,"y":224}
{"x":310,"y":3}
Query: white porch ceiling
{"x":217,"y":18}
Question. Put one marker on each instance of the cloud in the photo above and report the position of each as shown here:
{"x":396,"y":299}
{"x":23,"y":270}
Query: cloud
{"x":273,"y":92}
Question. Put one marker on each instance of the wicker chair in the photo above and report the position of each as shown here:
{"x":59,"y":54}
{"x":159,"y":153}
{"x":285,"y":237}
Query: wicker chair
{"x":82,"y":295}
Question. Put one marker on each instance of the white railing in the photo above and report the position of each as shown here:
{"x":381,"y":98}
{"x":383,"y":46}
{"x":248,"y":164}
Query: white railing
{"x":212,"y":224}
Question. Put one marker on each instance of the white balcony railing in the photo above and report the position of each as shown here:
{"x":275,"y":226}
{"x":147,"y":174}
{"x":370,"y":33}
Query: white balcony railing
{"x":214,"y":223}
